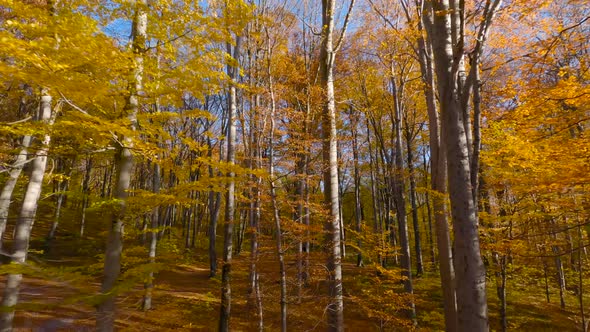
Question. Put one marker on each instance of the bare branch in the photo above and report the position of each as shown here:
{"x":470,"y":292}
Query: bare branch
{"x":346,"y":20}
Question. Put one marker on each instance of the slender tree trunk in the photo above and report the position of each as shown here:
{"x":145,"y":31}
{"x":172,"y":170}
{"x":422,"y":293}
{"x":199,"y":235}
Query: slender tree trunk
{"x":500,"y":261}
{"x":357,"y":186}
{"x":254,"y":290}
{"x":560,"y":276}
{"x":230,"y":197}
{"x":581,"y":279}
{"x":429,"y":214}
{"x":7,"y":190}
{"x":85,"y":194}
{"x":155,"y":218}
{"x":273,"y":195}
{"x":62,"y":186}
{"x":214,"y":202}
{"x":415,"y":222}
{"x":374,"y":193}
{"x":476,"y":130}
{"x":330,"y":170}
{"x":546,"y":277}
{"x":255,"y":162}
{"x":400,"y":202}
{"x":25,"y":220}
{"x":105,"y":319}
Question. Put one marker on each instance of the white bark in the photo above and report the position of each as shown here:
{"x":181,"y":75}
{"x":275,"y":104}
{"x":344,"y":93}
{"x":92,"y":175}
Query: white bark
{"x":25,"y":220}
{"x":273,"y":194}
{"x":330,"y":165}
{"x":7,"y":190}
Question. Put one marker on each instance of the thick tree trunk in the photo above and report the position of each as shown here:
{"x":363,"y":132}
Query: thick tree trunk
{"x":105,"y":319}
{"x":25,"y":220}
{"x":438,"y":174}
{"x":471,"y":293}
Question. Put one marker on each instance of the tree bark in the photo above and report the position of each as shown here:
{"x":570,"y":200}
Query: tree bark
{"x":400,"y":202}
{"x":273,"y":195}
{"x":438,"y":178}
{"x":9,"y":185}
{"x":414,"y":205}
{"x":61,"y":187}
{"x":358,"y":215}
{"x":153,"y":230}
{"x":86,"y":194}
{"x":471,"y":292}
{"x":25,"y":220}
{"x":330,"y":168}
{"x":230,"y":196}
{"x":105,"y":319}
{"x":214,"y":202}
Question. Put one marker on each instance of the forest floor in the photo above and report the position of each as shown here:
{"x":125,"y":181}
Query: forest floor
{"x":60,"y":288}
{"x":187,"y":299}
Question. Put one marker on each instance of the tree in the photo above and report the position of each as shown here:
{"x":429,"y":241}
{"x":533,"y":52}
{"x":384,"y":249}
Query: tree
{"x":26,"y":217}
{"x":105,"y":318}
{"x":448,"y":40}
{"x":330,"y":158}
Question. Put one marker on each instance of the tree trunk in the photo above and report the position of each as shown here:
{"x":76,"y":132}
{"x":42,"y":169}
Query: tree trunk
{"x":105,"y":319}
{"x":581,"y":279}
{"x":415,"y":223}
{"x":438,"y":178}
{"x":62,"y":186}
{"x":85,"y":194}
{"x":330,"y":170}
{"x":25,"y":220}
{"x":153,"y":230}
{"x":8,"y":188}
{"x":429,"y":215}
{"x":358,"y":216}
{"x":560,"y":276}
{"x":214,"y":202}
{"x":273,"y":196}
{"x":500,"y":261}
{"x":400,"y":202}
{"x":230,"y":196}
{"x":470,"y":278}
